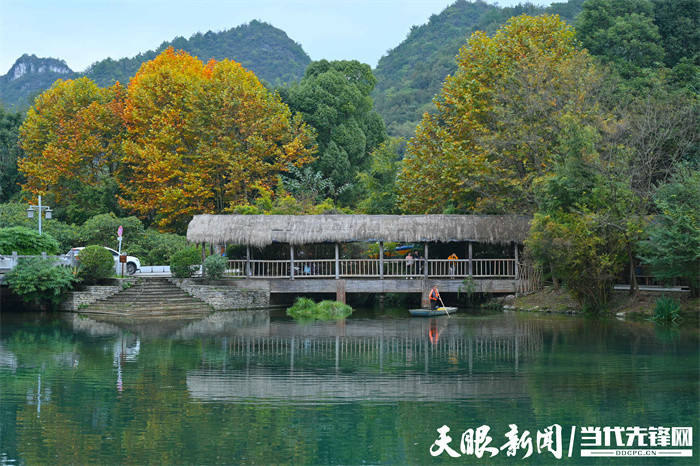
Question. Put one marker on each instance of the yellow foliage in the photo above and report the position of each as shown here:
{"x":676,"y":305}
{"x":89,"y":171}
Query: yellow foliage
{"x":498,"y":118}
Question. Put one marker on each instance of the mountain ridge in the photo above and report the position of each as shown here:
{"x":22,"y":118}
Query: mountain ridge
{"x":258,"y":46}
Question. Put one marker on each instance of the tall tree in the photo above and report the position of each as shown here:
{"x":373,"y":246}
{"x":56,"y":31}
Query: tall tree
{"x":498,"y":118}
{"x":72,"y":139}
{"x":379,"y":180}
{"x":334,"y":98}
{"x":201,"y":137}
{"x":672,"y":248}
{"x":10,"y":153}
{"x":622,"y":33}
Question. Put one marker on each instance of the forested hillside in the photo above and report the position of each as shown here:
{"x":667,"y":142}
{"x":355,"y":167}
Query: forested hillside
{"x":259,"y":47}
{"x":412,"y":73}
{"x":29,"y":77}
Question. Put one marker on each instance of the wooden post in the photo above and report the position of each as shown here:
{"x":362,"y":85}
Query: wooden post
{"x":247,"y":261}
{"x":425,"y":265}
{"x":204,"y":252}
{"x":340,"y":291}
{"x":516,"y":259}
{"x":381,"y":260}
{"x":471,"y":267}
{"x":425,"y":295}
{"x":291,"y":261}
{"x":337,"y":262}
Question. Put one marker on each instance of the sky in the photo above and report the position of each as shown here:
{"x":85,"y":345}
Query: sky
{"x":82,"y":32}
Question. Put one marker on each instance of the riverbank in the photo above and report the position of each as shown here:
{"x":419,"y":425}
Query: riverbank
{"x":638,"y":306}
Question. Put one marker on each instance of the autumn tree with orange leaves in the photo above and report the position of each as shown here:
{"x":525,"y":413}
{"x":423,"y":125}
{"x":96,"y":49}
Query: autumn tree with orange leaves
{"x":72,"y":139}
{"x":202,"y":138}
{"x":499,"y":119}
{"x":184,"y":138}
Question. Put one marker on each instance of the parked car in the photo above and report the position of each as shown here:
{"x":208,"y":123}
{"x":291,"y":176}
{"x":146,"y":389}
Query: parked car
{"x":132,"y":263}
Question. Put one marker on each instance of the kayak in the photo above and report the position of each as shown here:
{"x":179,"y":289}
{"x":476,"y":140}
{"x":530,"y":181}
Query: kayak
{"x":441,"y":311}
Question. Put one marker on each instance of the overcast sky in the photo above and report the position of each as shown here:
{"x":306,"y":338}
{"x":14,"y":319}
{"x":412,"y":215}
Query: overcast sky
{"x":82,"y":32}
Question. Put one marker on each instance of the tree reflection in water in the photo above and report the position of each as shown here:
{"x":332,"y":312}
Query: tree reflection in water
{"x":244,"y":387}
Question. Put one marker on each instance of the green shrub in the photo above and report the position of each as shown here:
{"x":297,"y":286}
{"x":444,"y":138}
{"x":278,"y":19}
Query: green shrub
{"x":666,"y":310}
{"x":214,"y":267}
{"x":102,"y":229}
{"x":184,"y":263}
{"x":305,"y":309}
{"x":14,"y":214}
{"x":36,"y":278}
{"x":26,"y":242}
{"x":155,"y":248}
{"x":96,"y":264}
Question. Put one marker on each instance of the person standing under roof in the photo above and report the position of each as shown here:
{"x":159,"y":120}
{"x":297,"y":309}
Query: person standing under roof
{"x":453,"y":264}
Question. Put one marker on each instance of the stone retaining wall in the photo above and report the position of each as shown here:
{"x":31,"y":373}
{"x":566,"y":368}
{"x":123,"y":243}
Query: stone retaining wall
{"x":76,"y":300}
{"x":227,"y":294}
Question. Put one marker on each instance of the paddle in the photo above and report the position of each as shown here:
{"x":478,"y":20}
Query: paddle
{"x":443,"y":305}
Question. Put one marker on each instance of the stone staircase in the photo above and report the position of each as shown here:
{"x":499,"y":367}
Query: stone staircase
{"x":150,"y":298}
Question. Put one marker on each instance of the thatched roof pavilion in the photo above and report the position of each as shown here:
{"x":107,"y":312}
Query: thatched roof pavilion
{"x":263,"y":230}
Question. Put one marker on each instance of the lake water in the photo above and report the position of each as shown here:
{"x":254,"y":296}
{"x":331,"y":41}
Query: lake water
{"x":249,"y":388}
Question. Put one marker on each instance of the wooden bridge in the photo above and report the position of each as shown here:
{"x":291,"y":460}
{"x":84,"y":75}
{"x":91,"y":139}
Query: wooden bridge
{"x":299,"y":274}
{"x":343,"y":276}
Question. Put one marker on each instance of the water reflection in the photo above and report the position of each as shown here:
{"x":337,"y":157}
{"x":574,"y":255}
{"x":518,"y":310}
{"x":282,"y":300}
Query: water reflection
{"x":81,"y":390}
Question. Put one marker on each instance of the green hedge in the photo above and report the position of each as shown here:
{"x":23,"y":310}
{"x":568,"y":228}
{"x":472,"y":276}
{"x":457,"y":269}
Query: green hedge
{"x":184,"y":263}
{"x":36,"y":278}
{"x":96,"y":264}
{"x":26,"y":242}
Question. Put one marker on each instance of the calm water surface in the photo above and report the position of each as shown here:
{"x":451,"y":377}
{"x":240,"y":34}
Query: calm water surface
{"x":249,"y":388}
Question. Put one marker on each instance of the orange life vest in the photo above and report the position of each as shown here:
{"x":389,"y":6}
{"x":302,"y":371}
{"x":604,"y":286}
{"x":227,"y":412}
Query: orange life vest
{"x":434,"y":295}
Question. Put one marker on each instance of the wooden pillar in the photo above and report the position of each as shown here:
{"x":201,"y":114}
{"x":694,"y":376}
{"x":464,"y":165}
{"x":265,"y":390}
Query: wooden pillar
{"x":340,"y":291}
{"x":381,"y":260}
{"x":337,"y":261}
{"x":204,"y":252}
{"x":247,"y":261}
{"x":291,"y":261}
{"x":516,"y":259}
{"x":425,"y":295}
{"x":425,"y":265}
{"x":471,"y":267}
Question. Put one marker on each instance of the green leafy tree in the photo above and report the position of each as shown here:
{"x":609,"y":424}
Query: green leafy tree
{"x":10,"y":153}
{"x":622,"y":33}
{"x":14,"y":214}
{"x":582,"y":250}
{"x":590,"y":219}
{"x":334,"y":98}
{"x":96,"y":264}
{"x":156,"y":248}
{"x":678,"y":21}
{"x":102,"y":230}
{"x":26,"y":242}
{"x":672,"y":249}
{"x":39,"y":279}
{"x":378,"y":182}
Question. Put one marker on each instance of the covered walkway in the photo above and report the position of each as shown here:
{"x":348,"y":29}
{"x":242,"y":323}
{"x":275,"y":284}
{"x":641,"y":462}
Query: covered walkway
{"x":258,"y":231}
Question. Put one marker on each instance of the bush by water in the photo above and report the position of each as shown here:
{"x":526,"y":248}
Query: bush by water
{"x":306,"y":309}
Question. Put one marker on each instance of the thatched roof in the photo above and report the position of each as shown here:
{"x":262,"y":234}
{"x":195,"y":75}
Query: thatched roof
{"x":262,"y":230}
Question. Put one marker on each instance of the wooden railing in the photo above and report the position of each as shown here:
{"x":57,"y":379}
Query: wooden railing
{"x":374,"y":268}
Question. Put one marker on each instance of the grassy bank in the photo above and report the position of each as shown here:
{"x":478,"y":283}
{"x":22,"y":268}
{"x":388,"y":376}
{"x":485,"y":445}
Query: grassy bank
{"x":638,"y":306}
